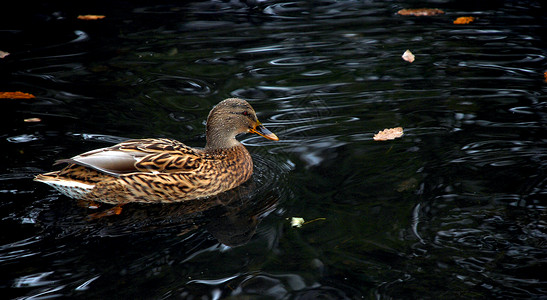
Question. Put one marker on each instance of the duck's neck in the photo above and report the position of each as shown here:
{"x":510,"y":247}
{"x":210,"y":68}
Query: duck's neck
{"x":218,"y":139}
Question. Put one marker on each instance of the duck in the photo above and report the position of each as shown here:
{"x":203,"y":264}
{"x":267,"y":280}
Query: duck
{"x":160,"y":170}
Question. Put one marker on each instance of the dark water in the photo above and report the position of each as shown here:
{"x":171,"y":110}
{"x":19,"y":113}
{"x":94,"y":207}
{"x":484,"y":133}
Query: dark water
{"x":454,"y":209}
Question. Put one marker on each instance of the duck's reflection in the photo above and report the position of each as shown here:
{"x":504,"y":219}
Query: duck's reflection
{"x":231,"y":217}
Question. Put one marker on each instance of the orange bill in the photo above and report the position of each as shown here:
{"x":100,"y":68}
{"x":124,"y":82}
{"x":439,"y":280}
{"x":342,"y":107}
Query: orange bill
{"x":263,"y":131}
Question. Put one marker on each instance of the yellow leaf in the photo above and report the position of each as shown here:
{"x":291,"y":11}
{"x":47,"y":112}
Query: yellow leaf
{"x":297,"y":222}
{"x":91,"y":17}
{"x":408,"y":56}
{"x":464,"y":20}
{"x":3,"y":54}
{"x":389,"y":134}
{"x":16,"y":95}
{"x":420,"y":12}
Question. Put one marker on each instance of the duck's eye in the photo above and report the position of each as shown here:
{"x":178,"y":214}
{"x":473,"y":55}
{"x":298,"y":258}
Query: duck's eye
{"x":245,"y":113}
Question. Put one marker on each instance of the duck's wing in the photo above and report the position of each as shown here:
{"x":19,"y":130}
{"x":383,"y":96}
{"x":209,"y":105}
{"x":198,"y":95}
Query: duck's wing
{"x":144,"y":155}
{"x":171,"y":156}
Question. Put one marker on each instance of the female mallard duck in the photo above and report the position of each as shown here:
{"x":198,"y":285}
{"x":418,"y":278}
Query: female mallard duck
{"x":163,"y":170}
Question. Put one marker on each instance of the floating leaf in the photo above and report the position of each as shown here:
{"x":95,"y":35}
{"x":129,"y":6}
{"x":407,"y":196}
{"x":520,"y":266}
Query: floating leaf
{"x":3,"y":54}
{"x":33,"y":120}
{"x":545,"y":76}
{"x":389,"y":134}
{"x":464,"y":20}
{"x":91,"y":17}
{"x":408,"y":56}
{"x":16,"y":95}
{"x":297,"y":222}
{"x":420,"y":12}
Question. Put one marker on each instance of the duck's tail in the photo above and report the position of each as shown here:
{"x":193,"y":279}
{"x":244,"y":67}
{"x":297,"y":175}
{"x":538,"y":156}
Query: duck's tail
{"x":68,"y":187}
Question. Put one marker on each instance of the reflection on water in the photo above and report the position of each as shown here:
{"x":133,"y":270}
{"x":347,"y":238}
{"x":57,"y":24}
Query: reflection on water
{"x":454,"y":209}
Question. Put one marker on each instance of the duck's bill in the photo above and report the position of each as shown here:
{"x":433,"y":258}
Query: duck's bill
{"x":263,"y":131}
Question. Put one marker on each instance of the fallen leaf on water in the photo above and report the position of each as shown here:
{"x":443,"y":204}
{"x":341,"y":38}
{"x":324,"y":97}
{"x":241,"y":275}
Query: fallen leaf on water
{"x":32,"y":120}
{"x":420,"y":12}
{"x":3,"y":54}
{"x":464,"y":20}
{"x":408,"y":56}
{"x":91,"y":17}
{"x":16,"y":95}
{"x":389,"y":134}
{"x":545,"y":76}
{"x":297,"y":222}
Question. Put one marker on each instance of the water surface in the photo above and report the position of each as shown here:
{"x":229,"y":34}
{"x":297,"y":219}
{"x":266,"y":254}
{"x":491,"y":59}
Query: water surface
{"x":453,"y":209}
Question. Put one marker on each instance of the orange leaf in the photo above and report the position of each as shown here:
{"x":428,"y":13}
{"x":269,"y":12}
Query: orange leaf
{"x":389,"y":134}
{"x":408,"y":56}
{"x":91,"y":17}
{"x":545,"y":76}
{"x":16,"y":95}
{"x":464,"y":20}
{"x":32,"y":120}
{"x":420,"y":12}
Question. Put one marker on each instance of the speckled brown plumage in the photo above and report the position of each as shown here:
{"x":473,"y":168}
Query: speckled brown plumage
{"x":163,"y":170}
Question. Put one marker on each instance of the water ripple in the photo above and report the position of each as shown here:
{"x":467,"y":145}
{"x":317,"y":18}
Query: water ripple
{"x":499,"y":153}
{"x":298,"y":60}
{"x":324,"y":76}
{"x":24,"y":138}
{"x":184,"y":85}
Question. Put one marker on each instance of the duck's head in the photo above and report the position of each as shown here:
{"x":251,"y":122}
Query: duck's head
{"x":230,"y":118}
